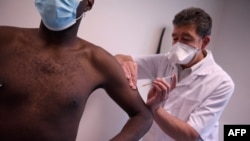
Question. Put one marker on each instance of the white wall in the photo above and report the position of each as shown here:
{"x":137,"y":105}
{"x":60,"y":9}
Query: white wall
{"x":232,"y":52}
{"x":134,"y":27}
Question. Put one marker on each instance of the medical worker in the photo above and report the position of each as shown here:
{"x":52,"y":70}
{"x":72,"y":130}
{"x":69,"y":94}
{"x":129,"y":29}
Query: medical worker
{"x":189,"y":107}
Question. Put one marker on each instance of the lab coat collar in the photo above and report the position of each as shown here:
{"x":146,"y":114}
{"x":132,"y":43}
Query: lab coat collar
{"x":200,"y":69}
{"x":203,"y":67}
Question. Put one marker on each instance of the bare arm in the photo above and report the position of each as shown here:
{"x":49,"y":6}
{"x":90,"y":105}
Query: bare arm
{"x":116,"y":85}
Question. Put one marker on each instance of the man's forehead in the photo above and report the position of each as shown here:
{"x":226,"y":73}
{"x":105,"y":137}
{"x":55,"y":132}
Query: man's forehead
{"x":183,"y":34}
{"x":187,"y":30}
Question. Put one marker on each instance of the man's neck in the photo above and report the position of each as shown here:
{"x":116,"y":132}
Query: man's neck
{"x":66,"y":36}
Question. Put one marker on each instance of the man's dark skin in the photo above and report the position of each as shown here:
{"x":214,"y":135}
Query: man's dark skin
{"x":46,"y":78}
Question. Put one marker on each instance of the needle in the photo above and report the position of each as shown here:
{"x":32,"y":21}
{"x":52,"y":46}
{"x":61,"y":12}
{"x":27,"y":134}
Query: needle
{"x":152,"y":82}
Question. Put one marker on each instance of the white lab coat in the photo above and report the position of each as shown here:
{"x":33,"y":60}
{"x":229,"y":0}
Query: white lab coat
{"x":198,"y":99}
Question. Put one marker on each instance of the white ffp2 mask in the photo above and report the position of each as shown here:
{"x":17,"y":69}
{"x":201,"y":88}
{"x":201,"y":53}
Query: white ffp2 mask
{"x":182,"y":53}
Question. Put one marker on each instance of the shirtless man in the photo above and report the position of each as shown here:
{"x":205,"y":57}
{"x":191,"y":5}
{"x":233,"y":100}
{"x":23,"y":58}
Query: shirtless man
{"x":47,"y":75}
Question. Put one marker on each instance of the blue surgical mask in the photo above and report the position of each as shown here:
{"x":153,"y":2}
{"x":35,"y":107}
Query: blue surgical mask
{"x":58,"y":15}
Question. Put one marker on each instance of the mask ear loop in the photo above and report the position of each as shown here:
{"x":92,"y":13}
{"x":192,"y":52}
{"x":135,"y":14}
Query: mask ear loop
{"x":83,"y":15}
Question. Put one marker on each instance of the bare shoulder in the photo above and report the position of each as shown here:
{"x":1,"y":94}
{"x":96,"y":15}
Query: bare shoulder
{"x":99,"y":55}
{"x":9,"y":34}
{"x":6,"y":32}
{"x":105,"y":63}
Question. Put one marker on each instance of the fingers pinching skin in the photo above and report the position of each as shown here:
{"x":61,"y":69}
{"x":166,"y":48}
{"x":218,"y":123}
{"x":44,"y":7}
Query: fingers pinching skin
{"x":130,"y":70}
{"x":134,"y":73}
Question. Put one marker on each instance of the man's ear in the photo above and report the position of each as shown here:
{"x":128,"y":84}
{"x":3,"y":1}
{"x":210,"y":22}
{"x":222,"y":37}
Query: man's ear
{"x":84,"y":6}
{"x":205,"y":41}
{"x":89,"y":5}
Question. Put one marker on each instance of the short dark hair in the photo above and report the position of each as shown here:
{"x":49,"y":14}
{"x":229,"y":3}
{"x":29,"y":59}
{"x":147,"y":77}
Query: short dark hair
{"x":196,"y":16}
